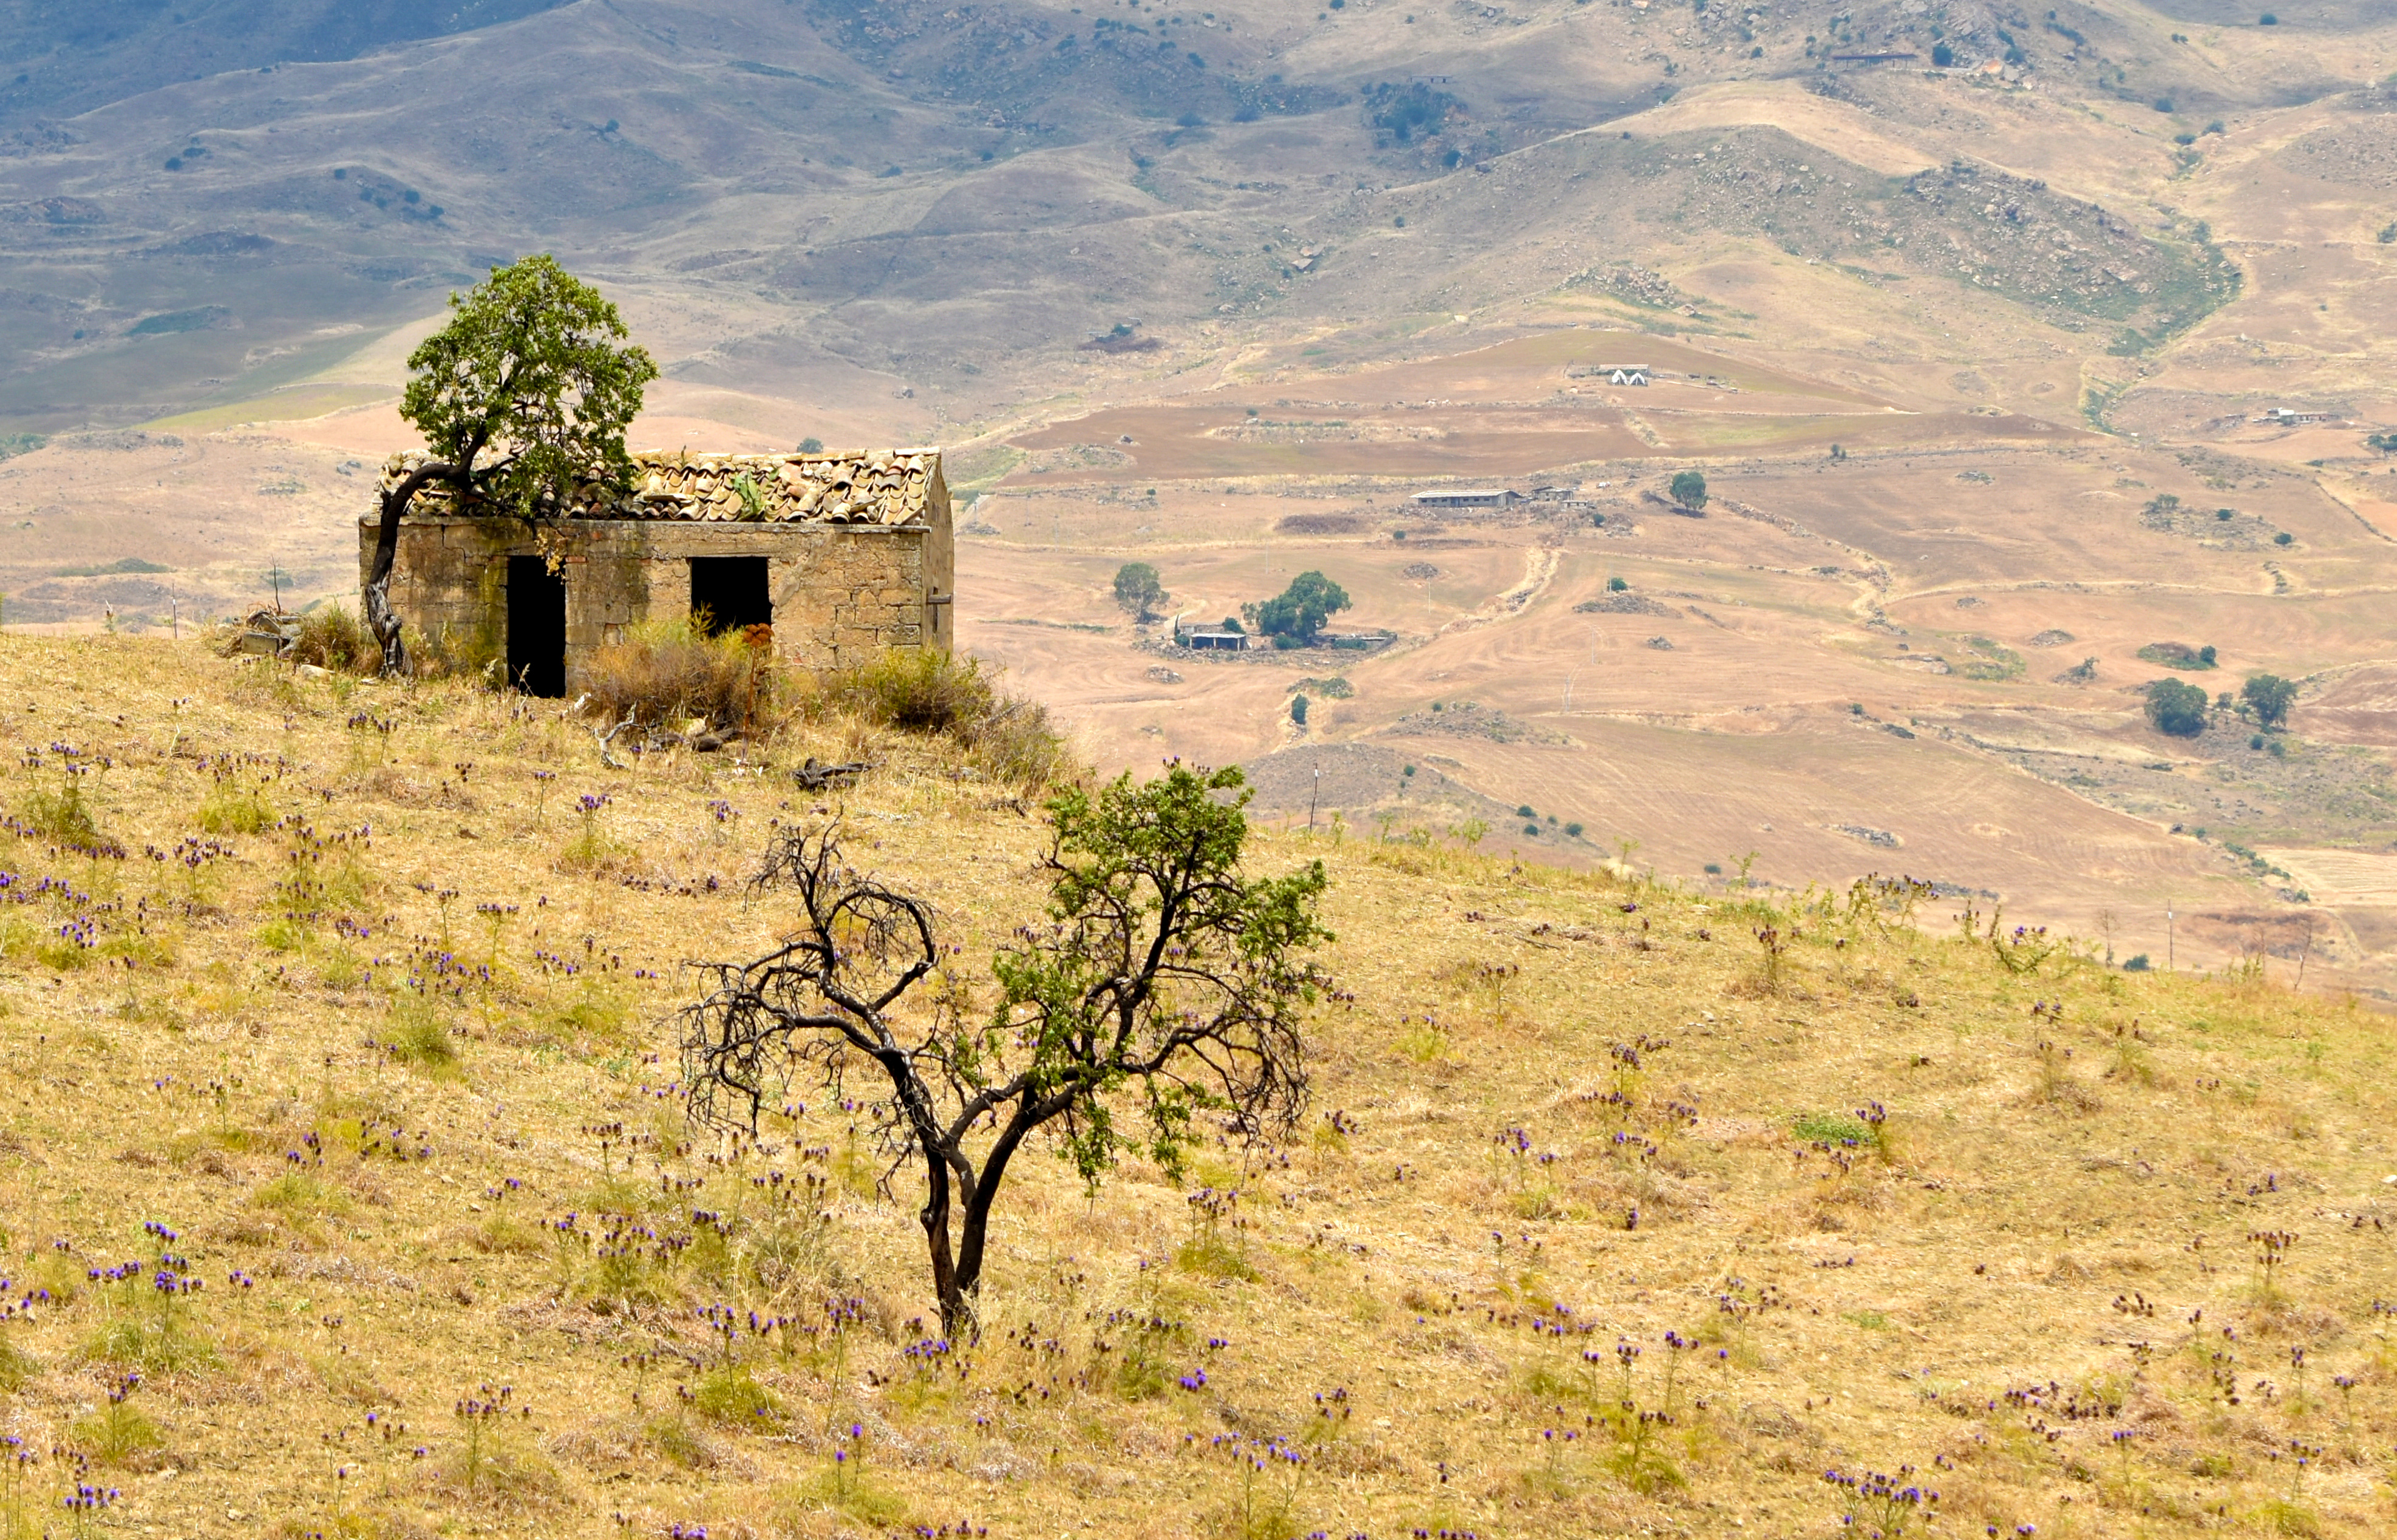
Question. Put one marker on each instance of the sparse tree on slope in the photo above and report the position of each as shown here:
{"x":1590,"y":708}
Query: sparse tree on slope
{"x":1139,"y":590}
{"x":2176,"y":708}
{"x":1689,"y":488}
{"x":1164,"y":984}
{"x":2269,"y":696}
{"x":523,"y":397}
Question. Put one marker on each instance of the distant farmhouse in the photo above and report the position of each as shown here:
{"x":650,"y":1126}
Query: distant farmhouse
{"x":1628,"y":374}
{"x":1494,"y":500}
{"x":1210,"y":638}
{"x":2285,"y":417}
{"x":837,"y":556}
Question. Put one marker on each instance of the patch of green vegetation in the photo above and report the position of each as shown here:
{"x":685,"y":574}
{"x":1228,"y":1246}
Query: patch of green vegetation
{"x":1830,"y":1128}
{"x":1985,"y":659}
{"x":2179,"y":655}
{"x":127,"y":564}
{"x":731,"y":1395}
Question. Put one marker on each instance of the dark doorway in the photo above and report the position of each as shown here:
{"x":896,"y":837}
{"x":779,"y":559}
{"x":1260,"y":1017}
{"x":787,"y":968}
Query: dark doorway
{"x":728,"y":593}
{"x":536,"y":627}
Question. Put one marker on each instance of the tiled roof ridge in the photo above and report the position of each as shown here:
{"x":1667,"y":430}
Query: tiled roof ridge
{"x":885,"y":487}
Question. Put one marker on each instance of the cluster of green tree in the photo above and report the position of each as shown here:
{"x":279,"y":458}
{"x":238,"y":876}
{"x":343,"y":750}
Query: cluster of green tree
{"x":1292,"y":617}
{"x":2182,"y":710}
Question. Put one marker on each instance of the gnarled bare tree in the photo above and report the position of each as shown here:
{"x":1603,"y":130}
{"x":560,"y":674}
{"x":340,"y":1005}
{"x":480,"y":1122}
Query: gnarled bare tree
{"x":1163,"y":984}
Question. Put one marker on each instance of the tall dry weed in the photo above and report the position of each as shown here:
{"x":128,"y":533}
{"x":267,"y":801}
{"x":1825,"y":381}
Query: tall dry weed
{"x":1008,"y":737}
{"x":671,"y":671}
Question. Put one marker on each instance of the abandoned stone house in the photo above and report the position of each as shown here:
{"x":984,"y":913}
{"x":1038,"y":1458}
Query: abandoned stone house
{"x":838,"y":555}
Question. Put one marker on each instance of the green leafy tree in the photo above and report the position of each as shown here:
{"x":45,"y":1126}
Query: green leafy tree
{"x":2176,"y":708}
{"x":2269,"y":697}
{"x":1299,"y":611}
{"x":522,"y":398}
{"x":1139,"y":590}
{"x":1163,"y":984}
{"x":1689,"y":488}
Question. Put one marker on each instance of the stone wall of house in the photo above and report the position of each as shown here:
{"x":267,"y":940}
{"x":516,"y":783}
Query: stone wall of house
{"x":841,"y":592}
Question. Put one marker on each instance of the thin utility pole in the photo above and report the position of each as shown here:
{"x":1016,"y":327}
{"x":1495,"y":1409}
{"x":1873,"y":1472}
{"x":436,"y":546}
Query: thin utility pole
{"x":2169,"y":963}
{"x":2306,"y":953}
{"x":1312,"y":791}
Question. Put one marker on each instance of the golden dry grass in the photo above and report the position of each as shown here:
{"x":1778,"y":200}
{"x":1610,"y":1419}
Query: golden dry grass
{"x":2042,"y":1244}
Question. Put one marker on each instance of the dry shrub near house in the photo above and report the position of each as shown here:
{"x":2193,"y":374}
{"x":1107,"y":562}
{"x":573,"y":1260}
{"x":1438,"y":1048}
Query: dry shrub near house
{"x":920,"y":690}
{"x":671,"y":671}
{"x":332,"y":636}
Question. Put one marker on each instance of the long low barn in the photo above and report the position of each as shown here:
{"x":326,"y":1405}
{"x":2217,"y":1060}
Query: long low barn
{"x":837,"y":555}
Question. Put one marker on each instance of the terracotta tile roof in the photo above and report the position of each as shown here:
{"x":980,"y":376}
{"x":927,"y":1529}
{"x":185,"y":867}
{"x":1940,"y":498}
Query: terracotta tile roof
{"x":886,"y":486}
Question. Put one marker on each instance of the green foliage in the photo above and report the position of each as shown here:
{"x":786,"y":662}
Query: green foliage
{"x":1298,"y":709}
{"x":1689,"y":488}
{"x":1616,"y":585}
{"x":1299,"y":611}
{"x":2176,"y":708}
{"x":116,"y":1433}
{"x":419,"y":1035}
{"x":2179,"y":655}
{"x":1152,"y":871}
{"x":812,"y":445}
{"x":2269,"y":696}
{"x":531,"y":371}
{"x":1139,"y":590}
{"x":731,"y":1395}
{"x":62,"y":816}
{"x":300,"y":1198}
{"x":1832,"y":1128}
{"x":234,"y":806}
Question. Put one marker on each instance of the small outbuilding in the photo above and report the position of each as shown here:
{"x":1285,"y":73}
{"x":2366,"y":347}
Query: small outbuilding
{"x":1482,"y":499}
{"x":828,"y":560}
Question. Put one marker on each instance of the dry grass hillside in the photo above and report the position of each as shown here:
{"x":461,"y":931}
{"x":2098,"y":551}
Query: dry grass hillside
{"x":347,"y":1188}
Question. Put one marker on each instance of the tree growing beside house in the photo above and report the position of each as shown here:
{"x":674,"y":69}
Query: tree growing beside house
{"x":1293,"y":616}
{"x":522,"y":398}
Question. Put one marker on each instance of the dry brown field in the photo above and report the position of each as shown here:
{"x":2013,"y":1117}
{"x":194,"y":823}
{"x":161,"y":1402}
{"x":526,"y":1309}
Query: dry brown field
{"x":1606,"y":1217}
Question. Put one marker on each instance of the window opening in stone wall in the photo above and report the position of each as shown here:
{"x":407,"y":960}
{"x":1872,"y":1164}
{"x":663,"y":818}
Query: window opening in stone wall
{"x":729,"y":594}
{"x":536,"y":627}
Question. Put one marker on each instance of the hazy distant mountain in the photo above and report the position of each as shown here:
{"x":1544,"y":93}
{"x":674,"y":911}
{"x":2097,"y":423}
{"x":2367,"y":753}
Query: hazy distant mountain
{"x":69,"y":56}
{"x":201,"y":200}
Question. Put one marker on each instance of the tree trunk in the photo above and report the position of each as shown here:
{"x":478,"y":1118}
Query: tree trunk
{"x":376,"y":598}
{"x":956,"y":1315}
